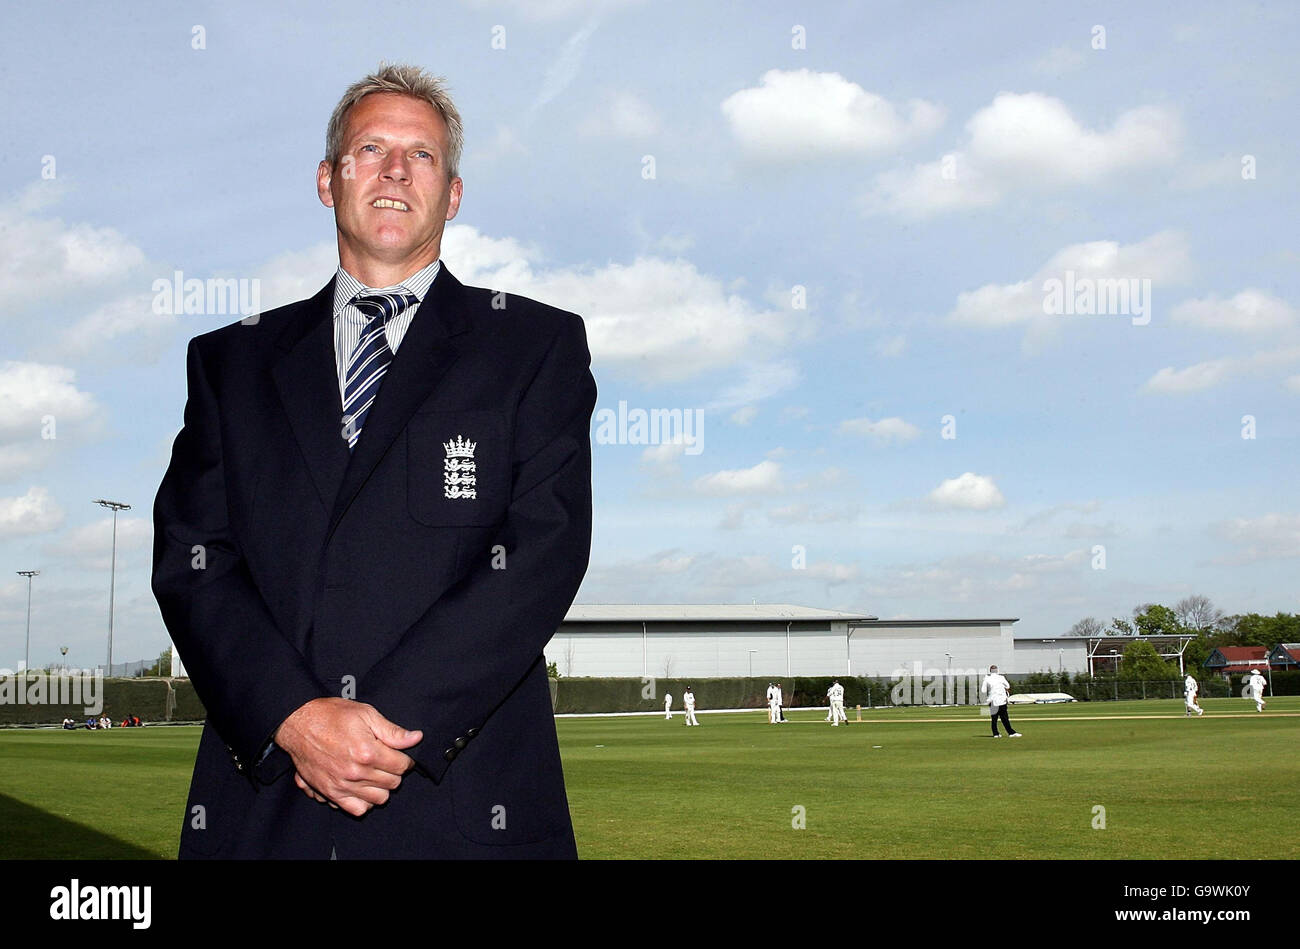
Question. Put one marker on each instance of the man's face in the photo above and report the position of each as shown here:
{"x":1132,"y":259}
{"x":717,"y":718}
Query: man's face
{"x":389,"y":191}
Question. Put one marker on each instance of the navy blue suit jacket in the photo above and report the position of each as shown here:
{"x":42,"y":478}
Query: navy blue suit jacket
{"x":288,"y":569}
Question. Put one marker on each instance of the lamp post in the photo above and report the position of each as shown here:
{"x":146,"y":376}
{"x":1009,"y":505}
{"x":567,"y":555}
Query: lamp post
{"x":114,"y":506}
{"x":1115,"y":668}
{"x":27,"y":656}
{"x":1060,"y":665}
{"x":63,"y":651}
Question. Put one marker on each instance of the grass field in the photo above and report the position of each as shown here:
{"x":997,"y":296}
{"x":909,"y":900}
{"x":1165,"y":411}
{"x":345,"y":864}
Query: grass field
{"x":903,"y":783}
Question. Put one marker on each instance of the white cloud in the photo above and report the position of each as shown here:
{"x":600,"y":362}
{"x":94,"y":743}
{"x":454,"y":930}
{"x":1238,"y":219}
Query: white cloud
{"x":38,"y":401}
{"x":32,"y":513}
{"x":763,"y":478}
{"x":802,"y":513}
{"x":1203,"y":375}
{"x":1161,"y":258}
{"x":885,"y":430}
{"x":297,"y":275}
{"x":91,"y":545}
{"x":1059,"y":59}
{"x":665,"y":455}
{"x":655,"y":319}
{"x":744,"y":415}
{"x":62,"y":259}
{"x":1272,"y":536}
{"x":759,"y":381}
{"x":29,"y":391}
{"x":625,"y":116}
{"x":1027,"y":142}
{"x":951,"y":183}
{"x":554,"y":9}
{"x":891,"y":347}
{"x":1034,"y":136}
{"x":1250,"y":311}
{"x":124,"y":330}
{"x":676,"y":577}
{"x":970,"y":491}
{"x":800,"y":114}
{"x":564,"y":69}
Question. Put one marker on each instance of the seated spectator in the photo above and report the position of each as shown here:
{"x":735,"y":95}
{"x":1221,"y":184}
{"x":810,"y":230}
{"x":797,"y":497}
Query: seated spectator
{"x":136,"y":722}
{"x":69,"y":724}
{"x":92,"y":724}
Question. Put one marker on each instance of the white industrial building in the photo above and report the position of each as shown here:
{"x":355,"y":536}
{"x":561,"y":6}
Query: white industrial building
{"x":702,"y":641}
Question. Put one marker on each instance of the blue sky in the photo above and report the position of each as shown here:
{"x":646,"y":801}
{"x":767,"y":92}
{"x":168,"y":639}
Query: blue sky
{"x":852,"y":215}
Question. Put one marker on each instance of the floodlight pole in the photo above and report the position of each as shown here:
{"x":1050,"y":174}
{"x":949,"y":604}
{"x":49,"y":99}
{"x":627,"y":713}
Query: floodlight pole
{"x":114,"y":506}
{"x":27,"y":655}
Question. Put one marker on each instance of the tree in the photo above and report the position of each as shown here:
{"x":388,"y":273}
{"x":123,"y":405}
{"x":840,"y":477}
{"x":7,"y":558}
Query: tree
{"x":1197,"y":613}
{"x":163,"y":667}
{"x":1157,"y":620}
{"x":1088,"y":626}
{"x":1141,"y":661}
{"x":1119,"y":627}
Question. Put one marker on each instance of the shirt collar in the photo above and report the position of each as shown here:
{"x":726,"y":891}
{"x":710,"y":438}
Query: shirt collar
{"x":347,"y":286}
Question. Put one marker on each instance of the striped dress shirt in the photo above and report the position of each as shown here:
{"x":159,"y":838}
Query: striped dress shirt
{"x":349,"y":321}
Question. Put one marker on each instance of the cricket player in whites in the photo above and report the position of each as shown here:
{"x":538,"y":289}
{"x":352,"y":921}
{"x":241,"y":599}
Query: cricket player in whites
{"x":836,"y":694}
{"x":668,"y":706}
{"x":1190,"y":689}
{"x":688,"y":699}
{"x":1255,"y":689}
{"x":773,"y":711}
{"x":998,"y":689}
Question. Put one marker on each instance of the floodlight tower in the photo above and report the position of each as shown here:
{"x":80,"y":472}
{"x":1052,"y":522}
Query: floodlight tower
{"x":114,"y":506}
{"x":27,"y":656}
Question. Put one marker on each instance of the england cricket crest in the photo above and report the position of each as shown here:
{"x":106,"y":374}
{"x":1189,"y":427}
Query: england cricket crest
{"x":458,"y":471}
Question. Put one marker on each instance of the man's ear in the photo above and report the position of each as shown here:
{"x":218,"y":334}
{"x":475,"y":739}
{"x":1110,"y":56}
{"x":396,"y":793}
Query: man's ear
{"x":454,"y":195}
{"x":324,"y":175}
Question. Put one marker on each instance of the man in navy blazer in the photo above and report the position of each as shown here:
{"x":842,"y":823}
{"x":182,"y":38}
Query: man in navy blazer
{"x":362,"y":597}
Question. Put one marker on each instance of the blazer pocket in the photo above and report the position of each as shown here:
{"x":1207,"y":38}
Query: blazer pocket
{"x":458,"y":468}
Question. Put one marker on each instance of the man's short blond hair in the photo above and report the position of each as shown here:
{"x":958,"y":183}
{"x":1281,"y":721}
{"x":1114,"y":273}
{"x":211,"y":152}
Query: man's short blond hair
{"x":408,"y":81}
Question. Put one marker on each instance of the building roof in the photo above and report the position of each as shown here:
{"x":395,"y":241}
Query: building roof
{"x":691,"y":612}
{"x":984,"y":621}
{"x":1240,"y":656}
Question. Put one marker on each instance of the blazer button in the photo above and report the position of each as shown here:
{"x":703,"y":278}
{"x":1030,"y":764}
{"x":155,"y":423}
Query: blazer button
{"x":461,"y":742}
{"x":449,"y":754}
{"x":471,"y":732}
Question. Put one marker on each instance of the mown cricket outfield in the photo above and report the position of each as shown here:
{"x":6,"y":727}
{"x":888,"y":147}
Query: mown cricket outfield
{"x":903,"y":783}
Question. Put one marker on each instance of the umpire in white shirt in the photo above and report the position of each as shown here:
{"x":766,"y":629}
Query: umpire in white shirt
{"x":998,"y":688}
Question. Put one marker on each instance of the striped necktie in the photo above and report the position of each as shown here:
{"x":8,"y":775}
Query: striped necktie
{"x":370,"y":359}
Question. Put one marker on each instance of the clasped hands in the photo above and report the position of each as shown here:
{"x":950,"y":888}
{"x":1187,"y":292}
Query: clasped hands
{"x":347,"y":755}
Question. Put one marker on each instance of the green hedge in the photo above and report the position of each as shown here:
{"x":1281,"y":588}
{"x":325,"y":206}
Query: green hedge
{"x":146,"y":698}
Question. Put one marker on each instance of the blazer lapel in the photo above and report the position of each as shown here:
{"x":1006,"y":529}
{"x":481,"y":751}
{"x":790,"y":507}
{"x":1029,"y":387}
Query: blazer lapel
{"x":421,"y":361}
{"x":306,"y":377}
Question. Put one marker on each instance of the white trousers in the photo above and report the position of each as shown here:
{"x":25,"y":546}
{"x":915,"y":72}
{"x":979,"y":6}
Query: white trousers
{"x":690,"y":717}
